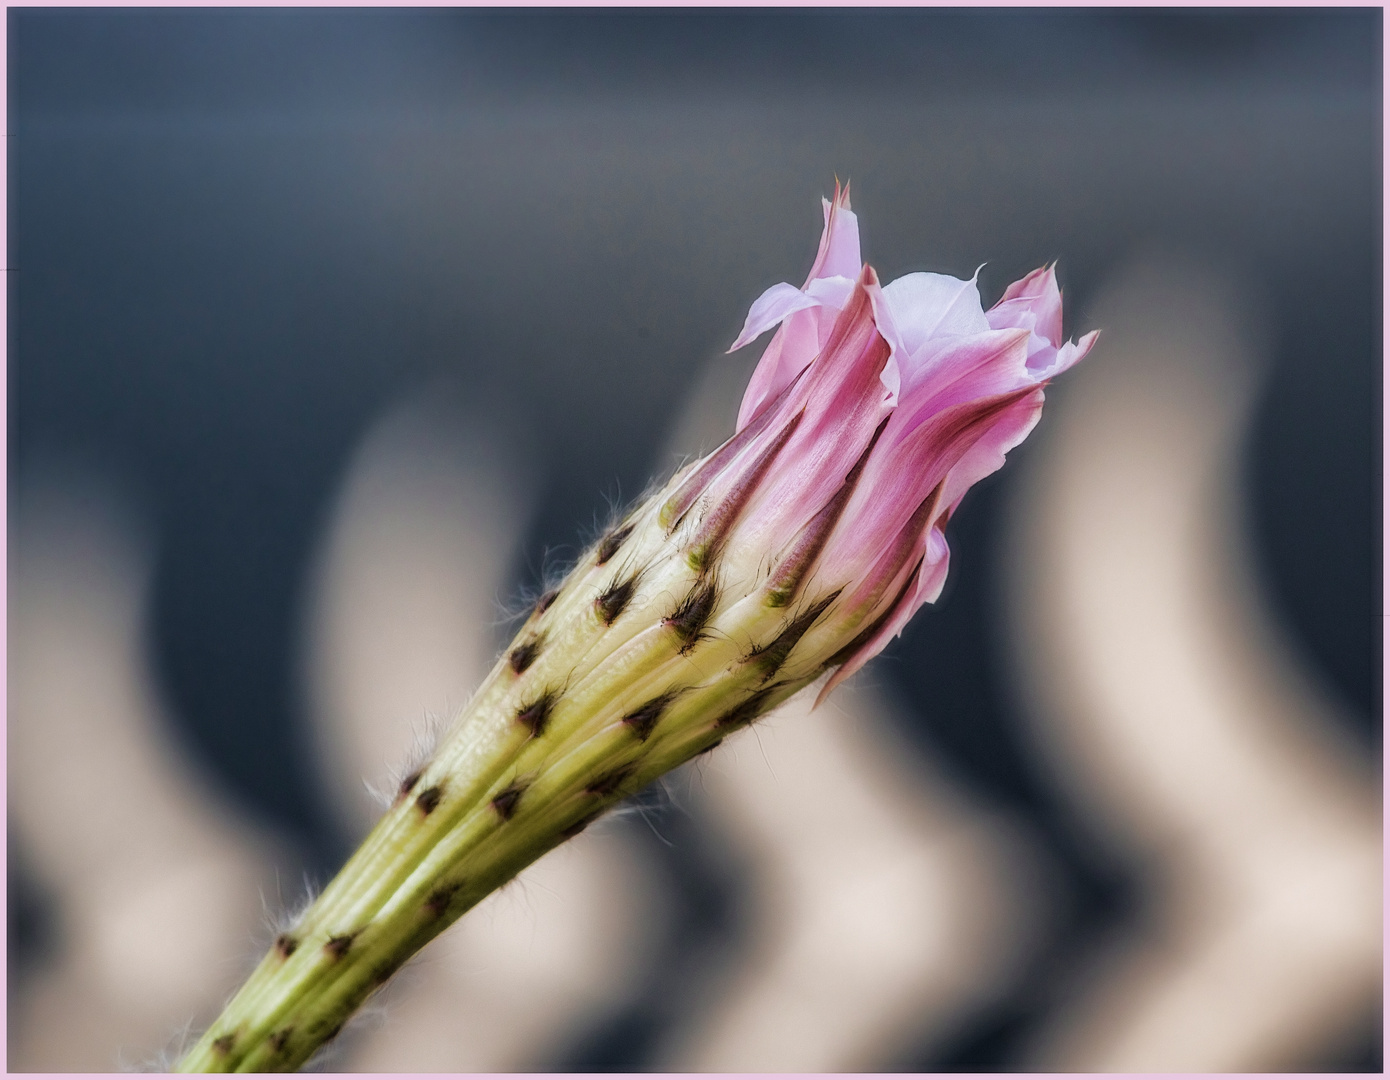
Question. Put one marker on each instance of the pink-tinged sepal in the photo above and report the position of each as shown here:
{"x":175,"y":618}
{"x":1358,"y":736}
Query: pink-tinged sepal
{"x":993,"y":431}
{"x":782,"y":585}
{"x":1011,"y":426}
{"x":844,"y":403}
{"x":807,"y":315}
{"x":788,"y":354}
{"x":880,"y":531}
{"x":722,"y":515}
{"x":922,"y":584}
{"x":718,"y":471}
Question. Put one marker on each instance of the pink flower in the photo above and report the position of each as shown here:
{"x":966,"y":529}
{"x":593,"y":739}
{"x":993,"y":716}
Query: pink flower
{"x":872,"y":412}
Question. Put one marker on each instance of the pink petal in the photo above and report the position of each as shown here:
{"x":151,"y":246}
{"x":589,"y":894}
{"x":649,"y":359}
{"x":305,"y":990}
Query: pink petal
{"x":838,"y":255}
{"x":770,"y":309}
{"x":1032,"y":303}
{"x":832,"y":291}
{"x":829,"y":284}
{"x":959,"y":369}
{"x":804,"y":334}
{"x":907,"y":466}
{"x":1044,"y":361}
{"x":791,"y":349}
{"x":1010,"y":428}
{"x":891,"y":375}
{"x":1071,"y":353}
{"x":933,"y":305}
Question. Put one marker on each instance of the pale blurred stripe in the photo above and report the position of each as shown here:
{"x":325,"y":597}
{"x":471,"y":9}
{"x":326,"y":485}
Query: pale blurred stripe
{"x":528,"y":971}
{"x":404,"y":590}
{"x":401,"y":624}
{"x":157,"y":888}
{"x":1177,"y":714}
{"x":884,"y":904}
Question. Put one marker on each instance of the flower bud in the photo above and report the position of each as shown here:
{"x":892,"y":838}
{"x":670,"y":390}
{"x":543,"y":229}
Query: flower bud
{"x":787,"y":557}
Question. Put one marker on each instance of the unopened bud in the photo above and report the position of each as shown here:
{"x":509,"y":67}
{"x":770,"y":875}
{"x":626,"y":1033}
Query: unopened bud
{"x":788,"y":557}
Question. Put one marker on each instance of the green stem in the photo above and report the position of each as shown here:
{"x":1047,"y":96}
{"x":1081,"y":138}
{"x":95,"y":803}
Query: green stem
{"x":611,"y":694}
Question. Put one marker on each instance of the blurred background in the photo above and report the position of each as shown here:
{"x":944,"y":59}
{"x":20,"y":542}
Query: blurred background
{"x":332,"y":332}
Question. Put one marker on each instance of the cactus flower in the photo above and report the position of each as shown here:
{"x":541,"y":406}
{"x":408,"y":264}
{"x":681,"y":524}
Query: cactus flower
{"x":786,"y":558}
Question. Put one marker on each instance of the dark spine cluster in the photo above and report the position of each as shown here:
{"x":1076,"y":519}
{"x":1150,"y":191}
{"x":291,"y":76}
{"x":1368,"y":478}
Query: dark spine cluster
{"x":609,"y":783}
{"x":773,"y":655}
{"x":749,"y":710}
{"x":437,"y":903}
{"x":428,"y":799}
{"x":338,"y":945}
{"x":384,"y":970}
{"x":644,"y":718}
{"x":689,"y":619}
{"x":582,"y":824}
{"x":504,"y":802}
{"x":536,"y":714}
{"x":408,"y":784}
{"x":524,"y":655}
{"x":609,"y":545}
{"x":613,"y":601}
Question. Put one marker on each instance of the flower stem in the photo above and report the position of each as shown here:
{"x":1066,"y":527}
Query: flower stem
{"x":602,"y":691}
